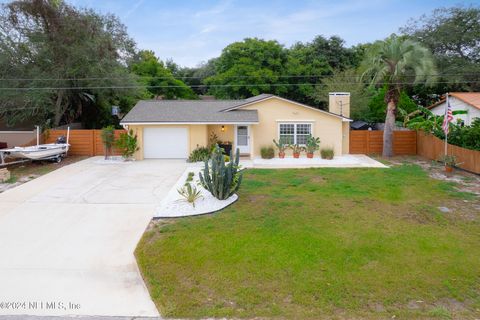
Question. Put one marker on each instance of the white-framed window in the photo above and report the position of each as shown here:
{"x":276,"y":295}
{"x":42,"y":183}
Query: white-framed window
{"x":294,"y":133}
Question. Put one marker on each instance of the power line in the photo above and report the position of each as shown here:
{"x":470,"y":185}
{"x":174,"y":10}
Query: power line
{"x":213,"y":85}
{"x":133,"y":77}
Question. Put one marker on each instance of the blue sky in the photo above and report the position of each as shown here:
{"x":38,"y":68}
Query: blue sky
{"x":193,"y":31}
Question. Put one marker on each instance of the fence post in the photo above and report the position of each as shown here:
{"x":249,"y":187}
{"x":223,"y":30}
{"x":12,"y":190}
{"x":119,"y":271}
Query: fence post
{"x":368,"y":142}
{"x":94,"y":142}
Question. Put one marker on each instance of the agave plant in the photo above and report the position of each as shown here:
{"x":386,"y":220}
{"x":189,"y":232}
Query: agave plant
{"x":190,"y":193}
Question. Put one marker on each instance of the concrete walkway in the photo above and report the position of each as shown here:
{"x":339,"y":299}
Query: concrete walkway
{"x":343,"y":161}
{"x":67,"y":239}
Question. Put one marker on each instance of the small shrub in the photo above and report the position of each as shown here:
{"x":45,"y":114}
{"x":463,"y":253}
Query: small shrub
{"x":327,"y":153}
{"x":190,"y":176}
{"x":267,"y":152}
{"x":220,"y":179}
{"x":449,"y":160}
{"x":199,"y":154}
{"x":190,"y":194}
{"x":127,"y":143}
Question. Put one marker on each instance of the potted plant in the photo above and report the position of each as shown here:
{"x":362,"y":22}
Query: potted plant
{"x":281,"y":146}
{"x":450,"y":161}
{"x":296,"y":149}
{"x":313,"y":144}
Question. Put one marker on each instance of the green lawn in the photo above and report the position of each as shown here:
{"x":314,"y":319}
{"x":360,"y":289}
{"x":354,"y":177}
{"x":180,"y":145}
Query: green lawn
{"x":322,"y":243}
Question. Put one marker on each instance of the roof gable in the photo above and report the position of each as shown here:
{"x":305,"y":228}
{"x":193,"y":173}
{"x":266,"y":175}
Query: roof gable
{"x":263,"y":97}
{"x":470,"y":98}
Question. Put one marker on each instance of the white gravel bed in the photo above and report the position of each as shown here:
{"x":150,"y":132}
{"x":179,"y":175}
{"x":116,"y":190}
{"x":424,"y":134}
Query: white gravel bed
{"x":174,"y":205}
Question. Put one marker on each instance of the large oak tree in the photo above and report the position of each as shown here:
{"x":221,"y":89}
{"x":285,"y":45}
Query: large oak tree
{"x":61,"y":62}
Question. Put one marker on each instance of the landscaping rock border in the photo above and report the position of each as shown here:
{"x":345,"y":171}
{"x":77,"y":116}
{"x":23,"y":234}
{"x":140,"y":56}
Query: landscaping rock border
{"x":174,"y":206}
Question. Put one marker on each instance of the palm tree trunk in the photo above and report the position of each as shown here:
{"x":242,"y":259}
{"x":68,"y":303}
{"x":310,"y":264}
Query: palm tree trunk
{"x":388,"y":130}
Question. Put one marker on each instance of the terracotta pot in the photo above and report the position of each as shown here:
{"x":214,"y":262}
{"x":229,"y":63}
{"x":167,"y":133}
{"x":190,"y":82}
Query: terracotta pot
{"x":296,"y":155}
{"x":310,"y":155}
{"x":448,"y":168}
{"x":281,"y":155}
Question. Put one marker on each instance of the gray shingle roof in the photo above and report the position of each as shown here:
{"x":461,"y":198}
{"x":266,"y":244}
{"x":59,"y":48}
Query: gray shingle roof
{"x":189,"y":111}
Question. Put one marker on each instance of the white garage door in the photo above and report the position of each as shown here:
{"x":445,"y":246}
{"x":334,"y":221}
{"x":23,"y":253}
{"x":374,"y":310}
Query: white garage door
{"x":165,"y":143}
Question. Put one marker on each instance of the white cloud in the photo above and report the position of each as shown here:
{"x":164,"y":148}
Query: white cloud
{"x":133,"y":8}
{"x":219,"y":8}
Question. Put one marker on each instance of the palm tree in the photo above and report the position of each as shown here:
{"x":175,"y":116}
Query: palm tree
{"x":395,"y":62}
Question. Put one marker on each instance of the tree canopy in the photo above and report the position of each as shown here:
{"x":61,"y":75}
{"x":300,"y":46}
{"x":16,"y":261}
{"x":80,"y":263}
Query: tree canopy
{"x":452,"y":35}
{"x":158,"y":80}
{"x":61,"y":64}
{"x":248,"y":68}
{"x":394,"y":63}
{"x":73,"y":55}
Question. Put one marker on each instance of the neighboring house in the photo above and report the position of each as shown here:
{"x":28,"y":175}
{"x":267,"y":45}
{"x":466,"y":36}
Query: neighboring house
{"x":467,"y":101}
{"x":173,"y":128}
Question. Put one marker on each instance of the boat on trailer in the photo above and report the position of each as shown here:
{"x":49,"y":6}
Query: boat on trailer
{"x":50,"y":151}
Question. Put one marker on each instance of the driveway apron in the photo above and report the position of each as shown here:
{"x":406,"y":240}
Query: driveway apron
{"x":67,"y":238}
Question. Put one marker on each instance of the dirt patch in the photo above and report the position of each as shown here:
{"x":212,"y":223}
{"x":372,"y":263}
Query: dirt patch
{"x":158,"y":224}
{"x":317,"y":180}
{"x":466,"y":181}
{"x":256,"y":197}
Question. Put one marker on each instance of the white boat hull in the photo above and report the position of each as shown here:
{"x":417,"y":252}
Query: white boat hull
{"x":43,"y":151}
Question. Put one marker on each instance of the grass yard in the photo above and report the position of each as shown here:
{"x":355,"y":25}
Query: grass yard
{"x":322,"y":243}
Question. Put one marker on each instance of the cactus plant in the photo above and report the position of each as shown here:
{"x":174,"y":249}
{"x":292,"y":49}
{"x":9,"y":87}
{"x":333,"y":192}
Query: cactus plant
{"x":220,"y":179}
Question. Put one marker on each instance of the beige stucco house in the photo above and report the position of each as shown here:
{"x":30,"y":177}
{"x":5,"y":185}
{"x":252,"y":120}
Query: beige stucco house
{"x":173,"y":128}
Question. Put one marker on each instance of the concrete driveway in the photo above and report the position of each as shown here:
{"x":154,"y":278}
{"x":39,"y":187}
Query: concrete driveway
{"x":67,"y":238}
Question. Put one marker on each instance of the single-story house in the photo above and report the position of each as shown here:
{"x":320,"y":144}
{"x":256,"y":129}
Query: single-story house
{"x":174,"y":128}
{"x":465,"y":101}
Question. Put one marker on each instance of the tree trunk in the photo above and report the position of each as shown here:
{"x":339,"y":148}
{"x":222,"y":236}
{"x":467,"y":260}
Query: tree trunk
{"x":59,"y":111}
{"x":388,"y":130}
{"x":106,"y":151}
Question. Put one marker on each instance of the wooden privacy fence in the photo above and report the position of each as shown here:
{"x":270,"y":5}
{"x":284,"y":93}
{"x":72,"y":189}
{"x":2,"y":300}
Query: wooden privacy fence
{"x":371,"y":142}
{"x":83,"y":142}
{"x":433,"y":148}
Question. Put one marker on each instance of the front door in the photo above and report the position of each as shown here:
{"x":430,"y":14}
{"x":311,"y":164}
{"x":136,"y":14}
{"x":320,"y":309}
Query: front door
{"x":243,"y":139}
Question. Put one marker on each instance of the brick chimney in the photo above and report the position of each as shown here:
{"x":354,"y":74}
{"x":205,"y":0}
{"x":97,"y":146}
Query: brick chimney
{"x":339,"y":103}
